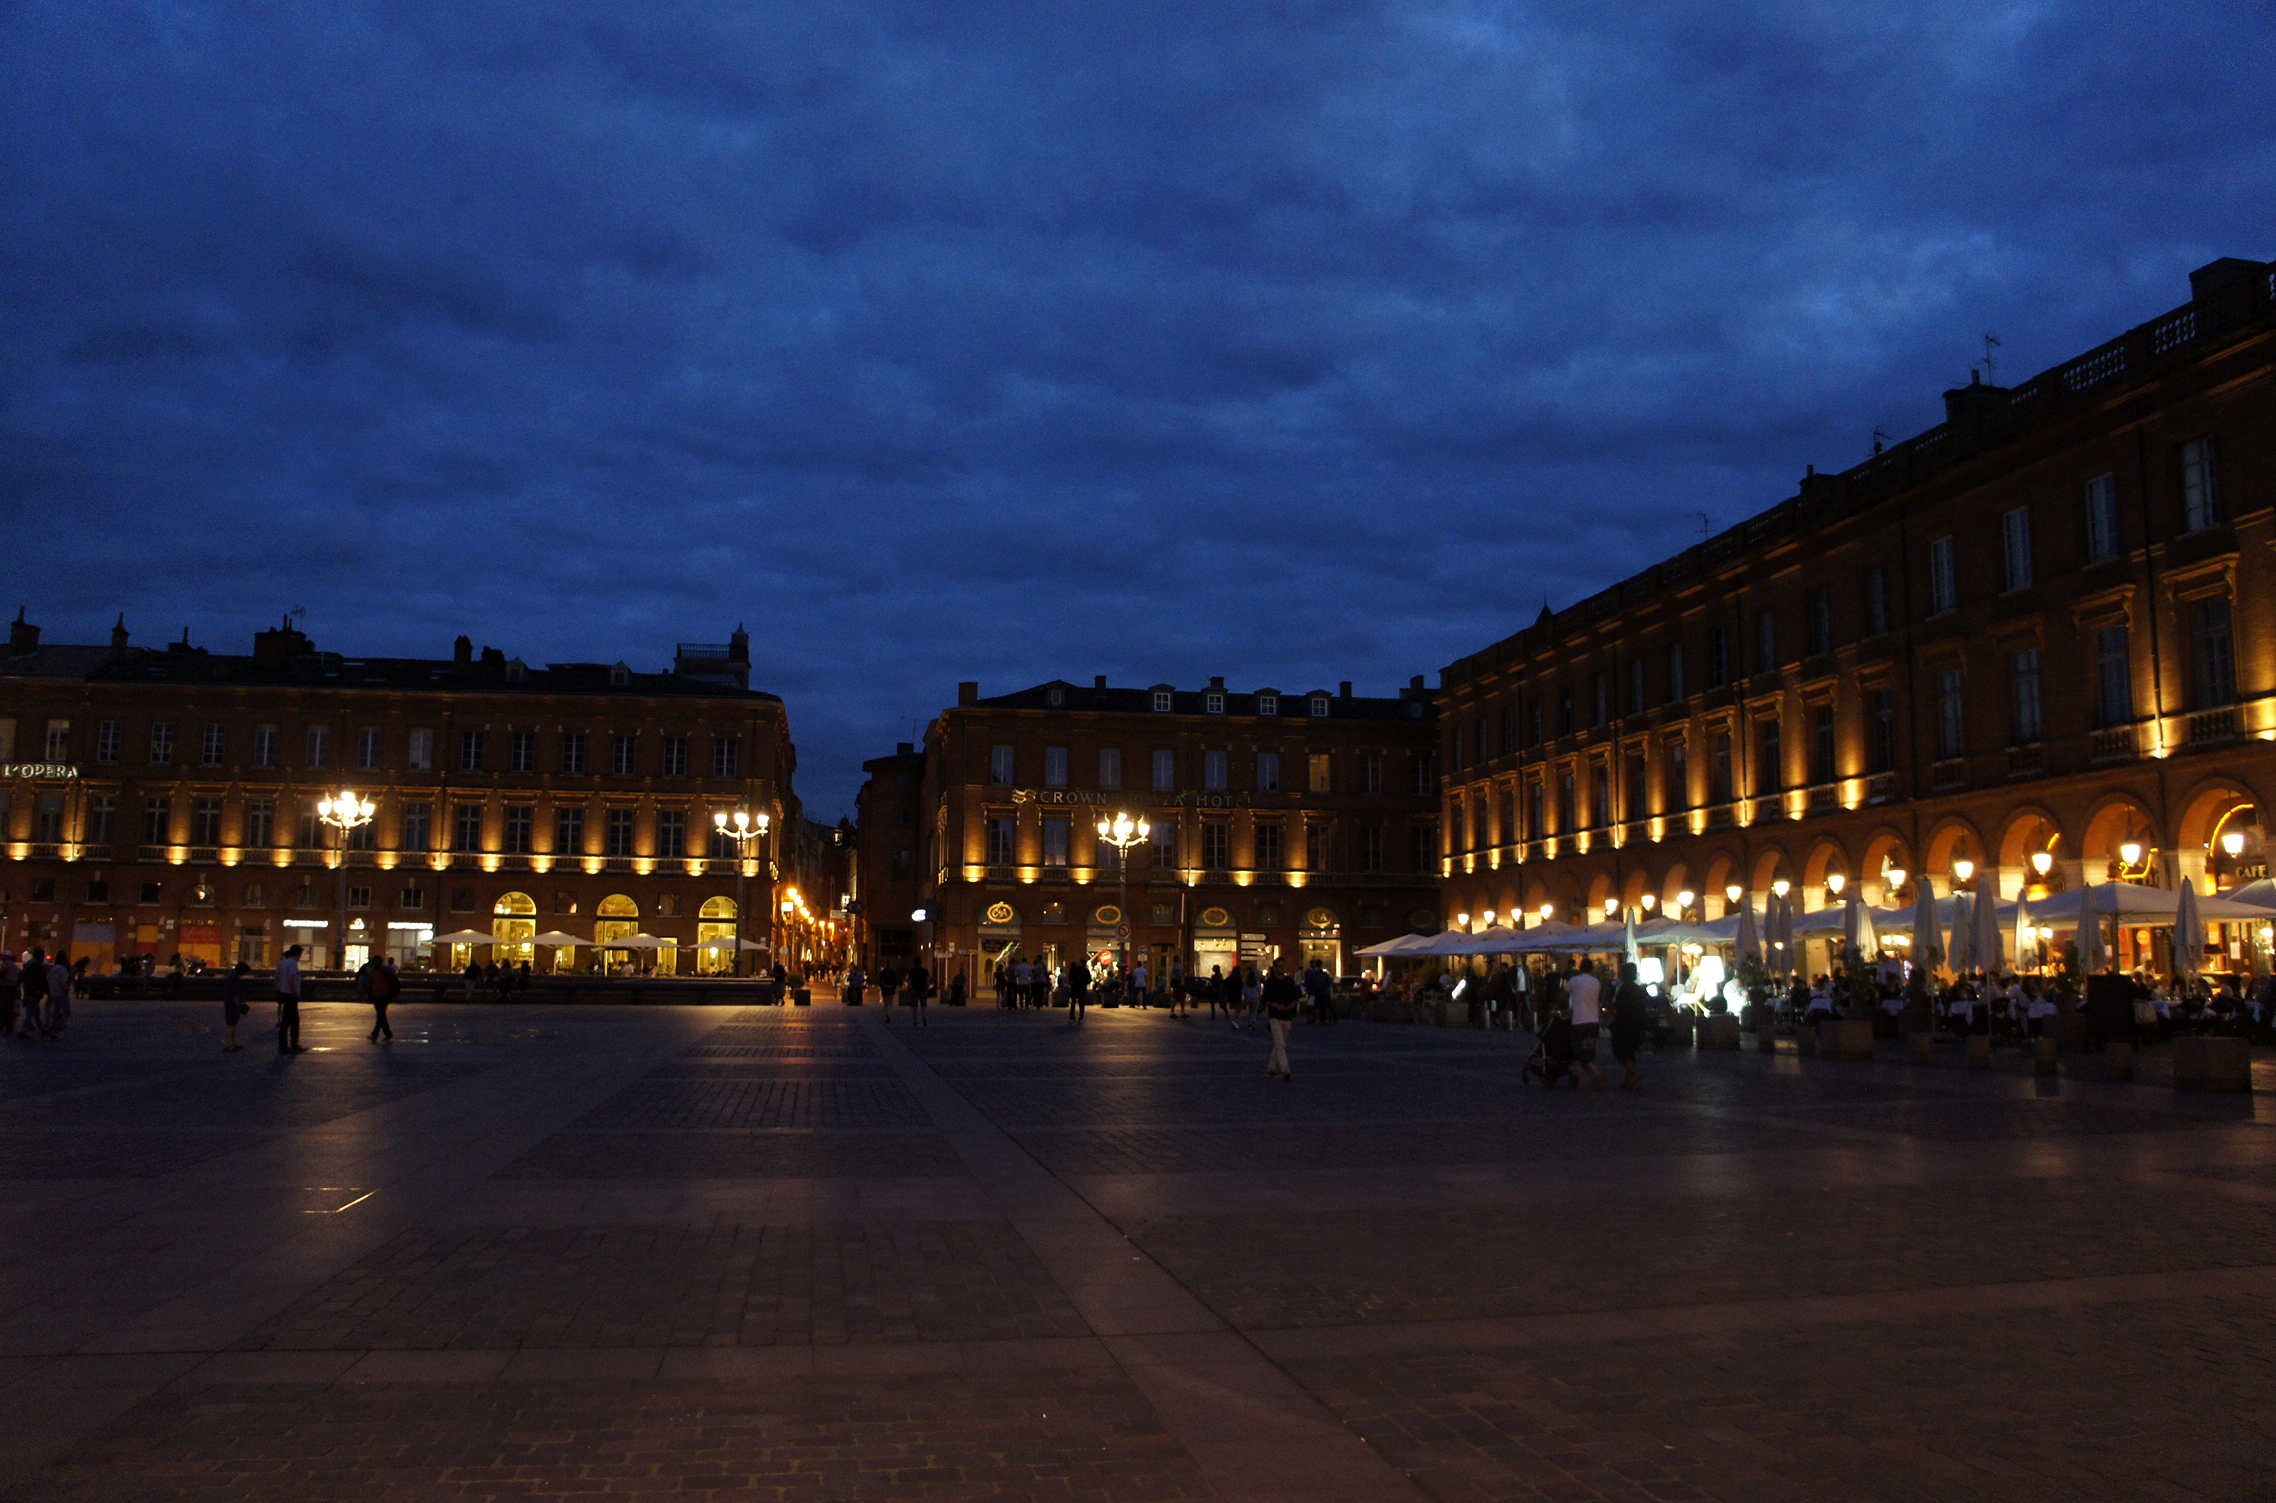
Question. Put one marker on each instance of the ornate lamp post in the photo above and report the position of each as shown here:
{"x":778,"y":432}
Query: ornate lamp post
{"x":1122,"y":832}
{"x":345,"y":812}
{"x":742,"y":827}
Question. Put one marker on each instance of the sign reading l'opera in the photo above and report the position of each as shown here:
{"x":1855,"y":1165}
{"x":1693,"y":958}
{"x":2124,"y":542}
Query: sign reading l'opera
{"x":38,"y":770}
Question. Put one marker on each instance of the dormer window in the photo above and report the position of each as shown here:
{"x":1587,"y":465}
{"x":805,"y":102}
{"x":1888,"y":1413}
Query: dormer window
{"x":619,"y":675}
{"x":1268,"y":704}
{"x":517,"y":671}
{"x":1215,"y":704}
{"x":1162,"y":700}
{"x":1319,"y":704}
{"x":1055,"y":696}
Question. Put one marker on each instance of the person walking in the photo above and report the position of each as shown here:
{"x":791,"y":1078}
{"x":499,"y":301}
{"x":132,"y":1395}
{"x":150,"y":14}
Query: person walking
{"x":849,"y":990}
{"x":288,"y":1001}
{"x":888,"y":985}
{"x":1281,"y":997}
{"x":1141,"y":994}
{"x":1078,"y":987}
{"x":11,"y":992}
{"x":1177,"y":989}
{"x":233,"y":1005}
{"x":1023,"y":983}
{"x":1217,"y":993}
{"x":1583,"y":996}
{"x":1630,"y":1021}
{"x":1252,"y":994}
{"x":386,"y":986}
{"x":917,"y":984}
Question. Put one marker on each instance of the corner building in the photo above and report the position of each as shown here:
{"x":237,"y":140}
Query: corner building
{"x":2041,"y":634}
{"x":1302,"y":825}
{"x":163,"y":801}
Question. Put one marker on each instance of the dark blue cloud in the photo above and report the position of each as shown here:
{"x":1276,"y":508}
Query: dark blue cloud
{"x":1295,"y":343}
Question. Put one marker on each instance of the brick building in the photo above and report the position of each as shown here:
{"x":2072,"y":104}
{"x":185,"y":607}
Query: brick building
{"x":889,"y":882}
{"x":1295,"y":824}
{"x":2046,"y":628}
{"x":164,"y":801}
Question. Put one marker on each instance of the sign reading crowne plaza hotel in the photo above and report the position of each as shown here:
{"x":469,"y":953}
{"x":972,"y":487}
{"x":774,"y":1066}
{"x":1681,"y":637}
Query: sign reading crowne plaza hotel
{"x":1301,"y":825}
{"x":2029,"y":649}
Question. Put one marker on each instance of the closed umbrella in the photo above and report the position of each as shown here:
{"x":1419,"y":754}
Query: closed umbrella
{"x":1746,"y":944}
{"x":1857,"y":931}
{"x":2026,"y":936}
{"x":2089,"y":944}
{"x":2188,"y":932}
{"x":1960,"y":954}
{"x":1985,"y":953}
{"x":1628,"y":938}
{"x":1927,"y":940}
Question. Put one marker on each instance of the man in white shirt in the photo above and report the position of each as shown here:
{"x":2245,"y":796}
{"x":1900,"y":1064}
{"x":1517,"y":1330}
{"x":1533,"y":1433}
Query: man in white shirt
{"x":1583,"y":998}
{"x":288,"y":1001}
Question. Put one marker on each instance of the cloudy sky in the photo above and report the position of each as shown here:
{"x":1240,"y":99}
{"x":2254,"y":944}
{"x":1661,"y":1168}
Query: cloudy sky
{"x":1293,"y":342}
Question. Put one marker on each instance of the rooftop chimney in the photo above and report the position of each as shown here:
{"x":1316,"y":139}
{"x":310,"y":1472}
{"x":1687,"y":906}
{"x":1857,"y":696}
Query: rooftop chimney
{"x":118,"y":633}
{"x":968,"y":692}
{"x":903,"y":748}
{"x":22,"y":635}
{"x":276,"y":646}
{"x":1098,"y":680}
{"x":462,"y":650}
{"x":1343,"y":690}
{"x":1218,"y":682}
{"x":1968,"y":408}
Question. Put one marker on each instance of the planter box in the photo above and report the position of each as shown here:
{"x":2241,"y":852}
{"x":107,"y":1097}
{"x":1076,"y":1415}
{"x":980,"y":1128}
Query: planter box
{"x":2212,"y":1064}
{"x":1719,"y":1031}
{"x":1920,"y":1047}
{"x":1979,"y":1051}
{"x":2119,"y":1060}
{"x":2043,"y":1056}
{"x":1806,"y":1039}
{"x":1846,"y":1038}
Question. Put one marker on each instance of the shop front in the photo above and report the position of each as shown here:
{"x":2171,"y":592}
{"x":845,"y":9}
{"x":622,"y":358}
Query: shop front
{"x":1216,"y":943}
{"x":1321,"y":939}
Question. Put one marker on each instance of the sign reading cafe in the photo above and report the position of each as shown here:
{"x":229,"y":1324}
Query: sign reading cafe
{"x":38,"y":770}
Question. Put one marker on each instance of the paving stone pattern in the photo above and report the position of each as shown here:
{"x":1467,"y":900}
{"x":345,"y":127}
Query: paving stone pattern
{"x":660,"y":1252}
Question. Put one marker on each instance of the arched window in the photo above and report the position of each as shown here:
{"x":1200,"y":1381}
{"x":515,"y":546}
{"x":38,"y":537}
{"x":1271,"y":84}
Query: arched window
{"x":615,"y":917}
{"x":715,"y":937}
{"x":513,"y":925}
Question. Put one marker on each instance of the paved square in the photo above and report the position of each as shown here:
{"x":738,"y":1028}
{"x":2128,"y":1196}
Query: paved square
{"x":656,"y":1252}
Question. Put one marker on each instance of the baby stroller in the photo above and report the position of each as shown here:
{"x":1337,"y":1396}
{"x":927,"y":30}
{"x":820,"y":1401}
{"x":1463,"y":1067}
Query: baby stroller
{"x":1552,"y":1059}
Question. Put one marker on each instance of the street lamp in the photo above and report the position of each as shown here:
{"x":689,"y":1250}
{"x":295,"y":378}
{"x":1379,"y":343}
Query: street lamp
{"x":1835,"y":882}
{"x":1963,"y":869}
{"x":1488,"y":918}
{"x":1122,"y":832}
{"x":742,"y":827}
{"x":344,"y":812}
{"x":1781,"y":886}
{"x":1546,"y":910}
{"x":1683,"y":901}
{"x":1611,"y":907}
{"x":2130,"y":852}
{"x":2042,"y":862}
{"x":1732,"y":893}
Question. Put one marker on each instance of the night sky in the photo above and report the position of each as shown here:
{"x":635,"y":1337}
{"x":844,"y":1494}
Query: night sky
{"x":1293,"y":342}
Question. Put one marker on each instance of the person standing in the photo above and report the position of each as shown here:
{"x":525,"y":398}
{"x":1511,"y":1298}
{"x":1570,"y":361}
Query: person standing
{"x":288,"y":1001}
{"x":1583,"y":994}
{"x":849,"y":991}
{"x":1281,"y":997}
{"x":917,"y":985}
{"x":233,"y":1006}
{"x":1630,"y":1021}
{"x":888,"y":982}
{"x":58,"y":994}
{"x":1140,"y":980}
{"x":386,"y":986}
{"x":1217,"y":997}
{"x":1320,"y":991}
{"x":34,"y":989}
{"x":1078,"y":987}
{"x":1177,"y":989}
{"x":1252,"y":993}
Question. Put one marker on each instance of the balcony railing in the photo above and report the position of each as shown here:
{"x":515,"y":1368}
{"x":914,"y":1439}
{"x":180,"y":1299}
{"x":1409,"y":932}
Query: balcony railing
{"x":2112,"y":743}
{"x":2026,"y":761}
{"x":1952,"y":772}
{"x":2202,"y":727}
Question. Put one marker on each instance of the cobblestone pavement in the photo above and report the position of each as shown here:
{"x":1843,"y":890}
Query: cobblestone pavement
{"x":658,"y":1252}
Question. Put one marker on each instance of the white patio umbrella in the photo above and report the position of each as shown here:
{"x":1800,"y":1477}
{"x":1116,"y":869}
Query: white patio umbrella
{"x":2259,"y":894}
{"x":635,"y":942}
{"x":1404,"y":944}
{"x":1927,"y":939}
{"x":2188,"y":931}
{"x":1985,"y":951}
{"x":1746,"y":944}
{"x":1628,"y":937}
{"x":2026,"y":930}
{"x":463,"y":937}
{"x":554,"y":939}
{"x":1858,"y":936}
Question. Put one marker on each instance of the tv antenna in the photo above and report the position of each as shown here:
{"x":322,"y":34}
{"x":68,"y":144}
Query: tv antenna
{"x":1880,"y":441}
{"x":1706,"y":526}
{"x":1991,"y":343}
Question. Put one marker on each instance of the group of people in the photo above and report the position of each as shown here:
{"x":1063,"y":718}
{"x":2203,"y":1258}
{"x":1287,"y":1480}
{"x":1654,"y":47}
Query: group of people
{"x":911,"y":988}
{"x":1572,"y":1013}
{"x":1024,"y":983}
{"x":35,"y":993}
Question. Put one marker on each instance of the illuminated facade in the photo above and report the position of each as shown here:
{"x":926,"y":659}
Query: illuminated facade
{"x":2040,"y":635}
{"x":1296,"y":824}
{"x":164,"y":801}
